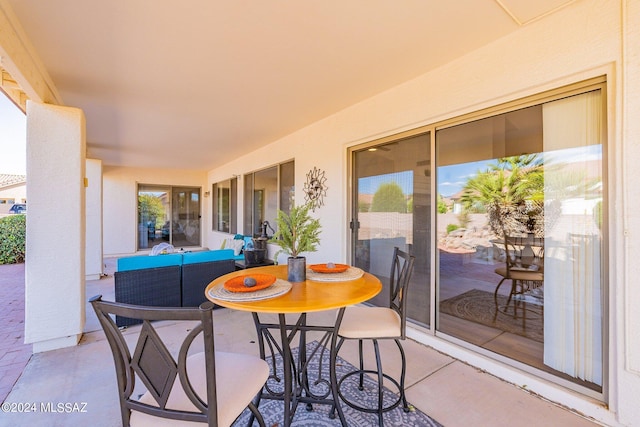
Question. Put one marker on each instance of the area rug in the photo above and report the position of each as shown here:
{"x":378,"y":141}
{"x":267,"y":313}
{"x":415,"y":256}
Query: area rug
{"x":273,"y":410}
{"x":479,"y":306}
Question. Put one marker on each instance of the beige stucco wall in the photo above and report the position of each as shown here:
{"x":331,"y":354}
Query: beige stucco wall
{"x":93,"y":189}
{"x":581,"y":41}
{"x":120,"y":190}
{"x":625,"y":219}
{"x":54,"y":273}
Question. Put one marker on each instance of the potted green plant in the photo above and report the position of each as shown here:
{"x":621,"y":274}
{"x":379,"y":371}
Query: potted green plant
{"x":296,"y":233}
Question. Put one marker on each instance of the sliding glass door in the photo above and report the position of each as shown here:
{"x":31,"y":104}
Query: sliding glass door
{"x":520,"y":235}
{"x":168,"y":214}
{"x":392,"y":188}
{"x":185,"y":214}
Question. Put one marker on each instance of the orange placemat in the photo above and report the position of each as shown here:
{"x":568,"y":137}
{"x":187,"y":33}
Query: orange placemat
{"x":322,"y":268}
{"x":236,"y":284}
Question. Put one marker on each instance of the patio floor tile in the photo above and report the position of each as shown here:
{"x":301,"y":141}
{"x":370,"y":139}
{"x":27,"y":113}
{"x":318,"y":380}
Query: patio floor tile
{"x":14,"y":354}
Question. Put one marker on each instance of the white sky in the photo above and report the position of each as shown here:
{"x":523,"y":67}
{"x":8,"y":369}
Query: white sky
{"x":13,"y":137}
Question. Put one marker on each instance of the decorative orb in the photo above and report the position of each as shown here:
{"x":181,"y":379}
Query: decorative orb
{"x":331,"y":265}
{"x":250,"y":282}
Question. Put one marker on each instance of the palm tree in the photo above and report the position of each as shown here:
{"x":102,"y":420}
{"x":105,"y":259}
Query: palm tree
{"x":511,"y":192}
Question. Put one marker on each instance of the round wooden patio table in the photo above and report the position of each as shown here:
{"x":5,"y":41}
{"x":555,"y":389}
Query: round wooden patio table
{"x":304,"y":297}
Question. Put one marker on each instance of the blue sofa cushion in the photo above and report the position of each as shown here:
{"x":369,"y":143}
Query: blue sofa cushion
{"x":140,"y":262}
{"x":207,"y":256}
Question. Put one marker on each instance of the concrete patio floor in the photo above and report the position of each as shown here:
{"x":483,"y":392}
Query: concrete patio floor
{"x":451,"y":392}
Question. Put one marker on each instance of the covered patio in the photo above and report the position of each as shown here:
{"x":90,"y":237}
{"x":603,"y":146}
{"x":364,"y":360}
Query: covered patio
{"x":248,"y":99}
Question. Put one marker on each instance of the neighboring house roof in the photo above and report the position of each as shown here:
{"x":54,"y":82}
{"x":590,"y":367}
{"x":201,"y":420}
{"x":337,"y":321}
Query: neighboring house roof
{"x":7,"y":180}
{"x":365,"y":198}
{"x":455,"y":197}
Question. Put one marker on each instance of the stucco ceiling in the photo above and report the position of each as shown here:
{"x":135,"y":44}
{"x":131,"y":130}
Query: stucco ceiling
{"x":197,"y":83}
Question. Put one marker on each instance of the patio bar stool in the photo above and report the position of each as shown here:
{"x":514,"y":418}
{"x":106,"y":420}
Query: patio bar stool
{"x":379,"y":323}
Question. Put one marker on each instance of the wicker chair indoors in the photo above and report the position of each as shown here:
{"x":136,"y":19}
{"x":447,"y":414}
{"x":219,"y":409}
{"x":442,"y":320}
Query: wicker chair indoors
{"x":379,"y":323}
{"x":209,"y":387}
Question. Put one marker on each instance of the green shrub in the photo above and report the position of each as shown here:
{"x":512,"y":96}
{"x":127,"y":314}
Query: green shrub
{"x":389,"y":198}
{"x":452,"y":227}
{"x":465,"y":218}
{"x":442,"y":205}
{"x":597,"y":214}
{"x":13,"y":233}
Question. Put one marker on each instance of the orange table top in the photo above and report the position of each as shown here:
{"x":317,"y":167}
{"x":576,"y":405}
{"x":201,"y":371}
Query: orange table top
{"x":304,"y":297}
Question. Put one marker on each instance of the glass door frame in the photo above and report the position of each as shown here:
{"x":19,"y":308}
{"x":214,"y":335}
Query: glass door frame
{"x":169,"y":213}
{"x":352,"y":224}
{"x":192,"y":219}
{"x":431,"y":330}
{"x":597,"y":83}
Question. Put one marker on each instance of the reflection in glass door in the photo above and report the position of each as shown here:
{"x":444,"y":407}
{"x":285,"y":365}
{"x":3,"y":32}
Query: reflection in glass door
{"x":520,"y":225}
{"x":154,"y":211}
{"x":185,"y":230}
{"x":168,"y":214}
{"x":391,"y":207}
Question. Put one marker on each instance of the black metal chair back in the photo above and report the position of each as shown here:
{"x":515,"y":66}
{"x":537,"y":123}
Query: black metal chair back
{"x":381,"y":324}
{"x":163,"y":375}
{"x":401,"y":270}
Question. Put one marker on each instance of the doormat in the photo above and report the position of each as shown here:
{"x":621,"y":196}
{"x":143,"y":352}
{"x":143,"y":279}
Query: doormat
{"x":273,"y":410}
{"x":479,"y":307}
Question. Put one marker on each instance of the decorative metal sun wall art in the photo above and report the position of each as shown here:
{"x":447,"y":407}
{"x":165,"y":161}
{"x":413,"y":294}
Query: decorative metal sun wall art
{"x":315,"y":189}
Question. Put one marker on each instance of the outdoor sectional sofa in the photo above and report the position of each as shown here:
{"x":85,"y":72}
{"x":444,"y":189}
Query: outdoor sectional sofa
{"x":170,"y":280}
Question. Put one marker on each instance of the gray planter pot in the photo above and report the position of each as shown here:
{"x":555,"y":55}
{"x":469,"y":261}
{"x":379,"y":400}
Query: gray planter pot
{"x":297,"y":269}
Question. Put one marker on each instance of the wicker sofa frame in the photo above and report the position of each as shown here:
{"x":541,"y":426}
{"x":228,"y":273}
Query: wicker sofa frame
{"x":158,"y":287}
{"x":180,"y":285}
{"x":196,"y":277}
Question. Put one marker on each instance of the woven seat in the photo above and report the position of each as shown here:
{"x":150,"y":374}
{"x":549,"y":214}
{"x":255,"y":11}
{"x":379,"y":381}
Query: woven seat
{"x":208,"y":387}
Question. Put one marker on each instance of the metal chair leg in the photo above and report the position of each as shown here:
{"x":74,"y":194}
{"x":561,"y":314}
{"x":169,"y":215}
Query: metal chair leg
{"x":380,"y":383}
{"x":361,"y":381}
{"x":495,"y":299}
{"x":403,"y":396}
{"x":256,"y":414}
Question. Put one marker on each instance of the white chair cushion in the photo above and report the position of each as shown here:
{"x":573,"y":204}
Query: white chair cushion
{"x":370,"y":322}
{"x":239,"y":378}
